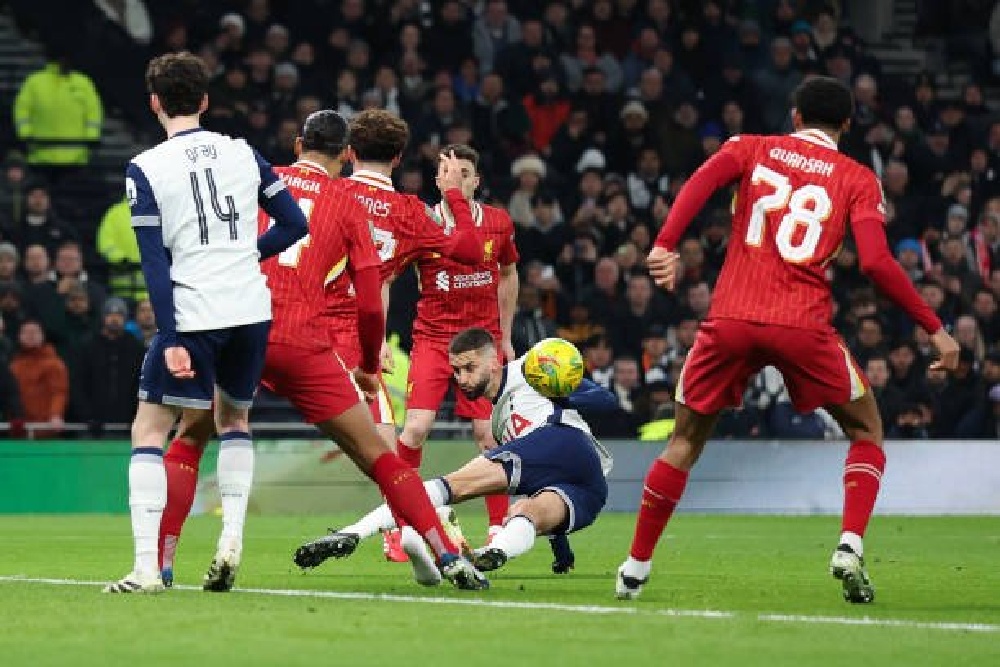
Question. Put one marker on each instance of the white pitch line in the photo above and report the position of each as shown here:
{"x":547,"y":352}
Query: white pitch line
{"x":710,"y":614}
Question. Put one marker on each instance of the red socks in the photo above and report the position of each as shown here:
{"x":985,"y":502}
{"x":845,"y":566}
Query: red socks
{"x":661,"y":492}
{"x":405,"y":494}
{"x":496,"y":507}
{"x":411,"y":455}
{"x":862,"y":477}
{"x":181,"y":463}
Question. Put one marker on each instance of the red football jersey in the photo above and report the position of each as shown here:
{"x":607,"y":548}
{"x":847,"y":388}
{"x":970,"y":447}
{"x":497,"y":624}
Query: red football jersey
{"x":454,"y":297}
{"x":402,"y":227}
{"x":796,"y":196}
{"x":339,"y":241}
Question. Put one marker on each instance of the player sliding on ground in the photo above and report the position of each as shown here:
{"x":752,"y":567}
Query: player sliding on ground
{"x":546,"y":453}
{"x":194,"y":204}
{"x":797,"y":197}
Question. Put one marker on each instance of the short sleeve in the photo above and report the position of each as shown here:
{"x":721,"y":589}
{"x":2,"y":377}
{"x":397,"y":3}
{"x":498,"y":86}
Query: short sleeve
{"x":141,"y":201}
{"x":739,"y":146}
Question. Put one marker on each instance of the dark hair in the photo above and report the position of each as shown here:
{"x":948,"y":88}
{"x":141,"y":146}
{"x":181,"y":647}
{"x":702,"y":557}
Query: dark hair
{"x":324,"y":131}
{"x":463,"y":152}
{"x":824,"y":101}
{"x":471,"y":340}
{"x":377,"y":135}
{"x":180,"y":81}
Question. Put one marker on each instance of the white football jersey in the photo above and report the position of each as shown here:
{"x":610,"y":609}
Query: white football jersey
{"x":519,"y":410}
{"x":205,"y":189}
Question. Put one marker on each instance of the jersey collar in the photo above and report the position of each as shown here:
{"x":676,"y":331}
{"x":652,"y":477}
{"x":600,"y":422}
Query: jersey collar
{"x":503,"y":385}
{"x":312,"y":166}
{"x":188,"y":131}
{"x":818,"y":137}
{"x":374,"y":179}
{"x":445,"y":212}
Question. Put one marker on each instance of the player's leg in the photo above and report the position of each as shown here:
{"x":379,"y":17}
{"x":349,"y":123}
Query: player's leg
{"x":714,"y":376}
{"x":181,"y":462}
{"x":819,"y":371}
{"x":863,"y":470}
{"x":326,"y":396}
{"x":427,"y":384}
{"x":240,"y":364}
{"x":161,"y":398}
{"x":497,"y":504}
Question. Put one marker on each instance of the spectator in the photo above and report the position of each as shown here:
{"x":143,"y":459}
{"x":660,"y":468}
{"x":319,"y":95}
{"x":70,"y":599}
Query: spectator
{"x":12,"y":193}
{"x":530,"y":324}
{"x":11,"y":311}
{"x":58,"y":115}
{"x":40,"y":224}
{"x":450,"y":40}
{"x":984,"y":245}
{"x":494,"y":31}
{"x":80,"y":323}
{"x":699,"y":299}
{"x":903,"y":366}
{"x":581,"y":325}
{"x":655,"y":357}
{"x":143,"y":327}
{"x":775,"y":84}
{"x":40,"y":297}
{"x":10,"y":260}
{"x":626,"y":382}
{"x":889,"y":397}
{"x":528,"y":172}
{"x":500,"y":124}
{"x":106,"y":377}
{"x":967,"y":334}
{"x":958,"y":398}
{"x":647,"y":179}
{"x":42,"y":378}
{"x":518,"y":62}
{"x":547,"y":109}
{"x":869,"y":340}
{"x":588,"y":54}
{"x":571,"y":141}
{"x":546,"y":237}
{"x":117,"y":245}
{"x":633,"y":317}
{"x":600,"y":104}
{"x":984,"y":309}
{"x":598,"y":357}
{"x":69,"y":270}
{"x":630,"y":137}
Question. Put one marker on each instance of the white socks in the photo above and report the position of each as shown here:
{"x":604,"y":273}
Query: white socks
{"x":380,"y":518}
{"x":854,"y":541}
{"x":516,"y":537}
{"x":147,"y":495}
{"x":235,"y":473}
{"x":639,"y":569}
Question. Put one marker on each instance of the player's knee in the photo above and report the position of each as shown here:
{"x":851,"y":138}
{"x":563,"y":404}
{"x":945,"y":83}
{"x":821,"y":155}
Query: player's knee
{"x":415,"y":434}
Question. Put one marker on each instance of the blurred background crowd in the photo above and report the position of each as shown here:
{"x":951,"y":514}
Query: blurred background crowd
{"x":589,"y":116}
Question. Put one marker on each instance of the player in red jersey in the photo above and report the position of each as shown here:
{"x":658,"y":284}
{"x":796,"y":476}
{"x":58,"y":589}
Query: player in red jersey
{"x":454,"y":298}
{"x":796,"y":198}
{"x":301,"y":363}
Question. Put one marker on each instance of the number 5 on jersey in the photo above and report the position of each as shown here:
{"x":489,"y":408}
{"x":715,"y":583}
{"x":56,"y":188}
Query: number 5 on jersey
{"x":808,"y":207}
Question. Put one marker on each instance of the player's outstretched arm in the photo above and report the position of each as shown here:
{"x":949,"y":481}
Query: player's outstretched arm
{"x":290,"y":223}
{"x":880,"y":266}
{"x":719,"y":170}
{"x":592,"y":397}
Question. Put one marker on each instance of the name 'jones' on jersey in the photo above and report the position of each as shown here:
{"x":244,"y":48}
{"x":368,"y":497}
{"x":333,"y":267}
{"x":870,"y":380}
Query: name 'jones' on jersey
{"x":790,"y":215}
{"x":205,"y":187}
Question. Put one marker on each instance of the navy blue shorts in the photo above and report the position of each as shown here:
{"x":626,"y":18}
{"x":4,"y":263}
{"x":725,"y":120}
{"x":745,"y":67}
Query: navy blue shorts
{"x":561,"y":459}
{"x":231,"y":358}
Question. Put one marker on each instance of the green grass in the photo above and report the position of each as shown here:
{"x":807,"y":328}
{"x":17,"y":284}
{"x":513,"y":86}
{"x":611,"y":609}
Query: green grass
{"x":939,"y":570}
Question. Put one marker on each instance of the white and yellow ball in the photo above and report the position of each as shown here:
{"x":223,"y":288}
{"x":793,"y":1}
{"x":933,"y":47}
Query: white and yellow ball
{"x":553,"y":367}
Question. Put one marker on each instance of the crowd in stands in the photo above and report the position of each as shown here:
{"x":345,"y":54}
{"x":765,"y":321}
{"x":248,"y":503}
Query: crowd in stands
{"x":588,"y":116}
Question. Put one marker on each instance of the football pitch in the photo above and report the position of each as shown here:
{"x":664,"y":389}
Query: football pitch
{"x":744,"y":590}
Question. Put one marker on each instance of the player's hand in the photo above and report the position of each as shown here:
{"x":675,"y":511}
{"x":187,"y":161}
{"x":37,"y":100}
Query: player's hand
{"x":508,"y":350}
{"x":662,"y":265}
{"x":451,"y":172}
{"x":178,"y":362}
{"x":386,"y":358}
{"x":947,"y":349}
{"x":367,"y":382}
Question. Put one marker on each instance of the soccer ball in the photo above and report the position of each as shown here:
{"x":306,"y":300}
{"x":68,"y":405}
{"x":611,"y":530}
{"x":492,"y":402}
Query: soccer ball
{"x":553,"y":367}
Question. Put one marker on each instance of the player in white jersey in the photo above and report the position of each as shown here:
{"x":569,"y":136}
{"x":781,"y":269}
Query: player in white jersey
{"x":546,"y":453}
{"x":194,"y":201}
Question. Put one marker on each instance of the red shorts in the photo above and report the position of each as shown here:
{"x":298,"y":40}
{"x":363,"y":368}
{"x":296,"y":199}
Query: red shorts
{"x":349,"y":350}
{"x":317,"y":383}
{"x":815,"y":364}
{"x":430,"y":375}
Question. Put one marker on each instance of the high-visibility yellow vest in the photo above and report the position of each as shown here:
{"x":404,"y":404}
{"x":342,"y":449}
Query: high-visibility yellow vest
{"x":395,"y":382}
{"x":117,"y":244}
{"x":53,"y":104}
{"x":659,"y":429}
